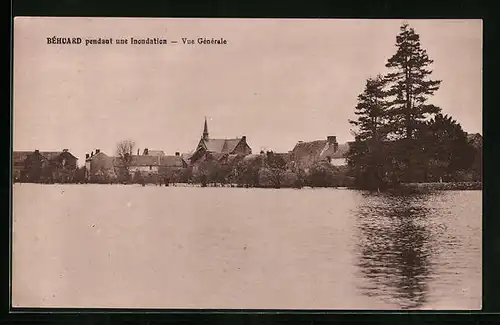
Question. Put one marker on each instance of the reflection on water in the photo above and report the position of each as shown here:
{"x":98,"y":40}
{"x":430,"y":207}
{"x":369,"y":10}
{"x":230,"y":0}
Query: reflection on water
{"x":395,"y":249}
{"x":181,"y":247}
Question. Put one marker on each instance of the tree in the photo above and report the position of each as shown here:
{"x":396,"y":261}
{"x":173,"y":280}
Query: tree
{"x":272,"y":173}
{"x":366,"y":156}
{"x":138,"y":178}
{"x":408,"y":110}
{"x":206,"y":171}
{"x":124,"y":150}
{"x":246,"y":172}
{"x":323,"y":174}
{"x":372,"y":111}
{"x":410,"y":86}
{"x":447,"y":147}
{"x":80,"y":175}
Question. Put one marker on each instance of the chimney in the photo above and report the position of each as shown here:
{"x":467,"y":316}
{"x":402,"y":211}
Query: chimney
{"x":138,"y":151}
{"x":97,"y":151}
{"x":332,"y":140}
{"x":37,"y":151}
{"x":177,"y":153}
{"x":87,"y":156}
{"x":92,"y":154}
{"x":244,"y":138}
{"x":65,"y":150}
{"x":145,"y":152}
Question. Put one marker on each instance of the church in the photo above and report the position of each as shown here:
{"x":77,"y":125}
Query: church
{"x":219,"y":147}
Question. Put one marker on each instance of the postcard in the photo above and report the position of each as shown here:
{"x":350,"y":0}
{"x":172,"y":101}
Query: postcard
{"x":270,"y":164}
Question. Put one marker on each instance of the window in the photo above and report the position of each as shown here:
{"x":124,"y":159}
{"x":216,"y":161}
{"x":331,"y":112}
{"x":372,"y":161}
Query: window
{"x":150,"y":167}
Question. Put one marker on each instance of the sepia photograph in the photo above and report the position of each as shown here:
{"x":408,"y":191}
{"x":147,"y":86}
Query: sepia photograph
{"x":257,"y":164}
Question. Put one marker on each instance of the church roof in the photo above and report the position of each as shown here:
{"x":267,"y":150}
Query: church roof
{"x":221,"y":145}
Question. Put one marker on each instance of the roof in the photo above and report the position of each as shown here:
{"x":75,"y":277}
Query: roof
{"x":221,"y":145}
{"x":142,"y":160}
{"x":19,"y":156}
{"x":319,"y":150}
{"x":155,"y":153}
{"x":49,"y":155}
{"x":171,"y":161}
{"x":95,"y":155}
{"x":253,"y":158}
{"x":138,"y":160}
{"x":312,"y":149}
{"x":341,"y":152}
{"x":475,"y":139}
{"x":186,"y":156}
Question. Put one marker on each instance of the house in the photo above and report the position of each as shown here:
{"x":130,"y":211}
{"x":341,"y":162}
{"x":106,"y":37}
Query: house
{"x":99,"y":166}
{"x":476,"y":140}
{"x":305,"y":154}
{"x":170,"y":165}
{"x":219,"y":147}
{"x":150,"y":165}
{"x":39,"y":165}
{"x":19,"y":167}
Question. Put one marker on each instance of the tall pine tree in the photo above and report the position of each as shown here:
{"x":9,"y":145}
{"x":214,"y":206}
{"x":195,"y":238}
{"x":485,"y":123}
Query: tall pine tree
{"x":371,"y":111}
{"x":410,"y":85}
{"x":366,"y":155}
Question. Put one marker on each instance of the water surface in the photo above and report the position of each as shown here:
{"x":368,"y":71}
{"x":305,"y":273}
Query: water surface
{"x":183,"y":247}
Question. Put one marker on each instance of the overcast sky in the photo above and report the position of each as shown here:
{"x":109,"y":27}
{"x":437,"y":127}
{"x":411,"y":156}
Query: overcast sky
{"x":276,"y":81}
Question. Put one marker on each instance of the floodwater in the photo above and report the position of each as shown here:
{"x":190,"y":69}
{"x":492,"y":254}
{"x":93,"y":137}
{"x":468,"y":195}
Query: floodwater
{"x":186,"y":247}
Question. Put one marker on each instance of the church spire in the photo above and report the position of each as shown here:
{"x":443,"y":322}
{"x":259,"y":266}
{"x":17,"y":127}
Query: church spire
{"x":205,"y":130}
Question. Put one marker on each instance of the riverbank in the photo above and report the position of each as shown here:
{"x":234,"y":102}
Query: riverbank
{"x":405,"y":187}
{"x":449,"y":186}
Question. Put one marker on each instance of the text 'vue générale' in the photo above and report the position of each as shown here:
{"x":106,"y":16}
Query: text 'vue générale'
{"x":134,"y":41}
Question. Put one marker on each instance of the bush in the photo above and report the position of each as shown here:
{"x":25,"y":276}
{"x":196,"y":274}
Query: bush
{"x":323,"y":175}
{"x":270,"y":177}
{"x":291,"y":179}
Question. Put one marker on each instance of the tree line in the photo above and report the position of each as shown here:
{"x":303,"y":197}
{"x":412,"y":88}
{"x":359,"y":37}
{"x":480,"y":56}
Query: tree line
{"x":399,"y":136}
{"x":268,"y":170}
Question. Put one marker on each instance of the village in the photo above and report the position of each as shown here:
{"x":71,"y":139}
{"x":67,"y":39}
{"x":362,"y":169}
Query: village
{"x":213,"y":161}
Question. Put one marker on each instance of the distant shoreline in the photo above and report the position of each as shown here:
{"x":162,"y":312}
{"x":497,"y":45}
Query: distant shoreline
{"x":404,"y":188}
{"x":450,"y":186}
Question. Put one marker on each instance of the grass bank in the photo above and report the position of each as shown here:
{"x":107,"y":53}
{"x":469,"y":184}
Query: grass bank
{"x":448,"y":186}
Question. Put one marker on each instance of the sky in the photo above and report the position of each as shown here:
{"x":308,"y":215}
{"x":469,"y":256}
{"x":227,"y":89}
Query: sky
{"x":275,"y":81}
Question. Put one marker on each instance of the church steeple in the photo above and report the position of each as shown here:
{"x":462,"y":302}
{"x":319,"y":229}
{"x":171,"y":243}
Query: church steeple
{"x":205,"y":130}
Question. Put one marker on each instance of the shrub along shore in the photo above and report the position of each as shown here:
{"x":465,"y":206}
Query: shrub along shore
{"x":429,"y":187}
{"x":404,"y":188}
